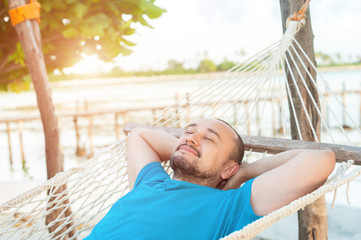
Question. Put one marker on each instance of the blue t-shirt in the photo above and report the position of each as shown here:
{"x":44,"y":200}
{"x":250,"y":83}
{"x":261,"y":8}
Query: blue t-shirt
{"x":159,"y":207}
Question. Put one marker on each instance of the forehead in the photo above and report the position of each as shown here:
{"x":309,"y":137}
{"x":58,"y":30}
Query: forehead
{"x":214,"y":125}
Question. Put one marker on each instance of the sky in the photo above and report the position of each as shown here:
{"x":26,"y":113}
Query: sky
{"x":219,"y":29}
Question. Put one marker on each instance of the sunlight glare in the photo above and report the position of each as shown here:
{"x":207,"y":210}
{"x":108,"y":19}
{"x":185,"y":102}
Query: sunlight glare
{"x":89,"y":65}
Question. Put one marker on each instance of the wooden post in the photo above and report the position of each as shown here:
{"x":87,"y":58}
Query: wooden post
{"x":90,"y":137}
{"x":248,"y":118}
{"x":360,"y":107}
{"x":90,"y":130}
{"x":8,"y":130}
{"x":235,"y":114}
{"x":274,"y":132}
{"x":343,"y":94}
{"x":29,"y":36}
{"x":258,"y":119}
{"x":280,"y":123}
{"x":116,"y":125}
{"x":188,"y":106}
{"x":312,"y":221}
{"x":23,"y":160}
{"x":79,"y":149}
{"x":327,"y":105}
{"x":176,"y":109}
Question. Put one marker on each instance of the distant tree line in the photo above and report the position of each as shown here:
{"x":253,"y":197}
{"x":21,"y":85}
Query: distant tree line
{"x":206,"y":65}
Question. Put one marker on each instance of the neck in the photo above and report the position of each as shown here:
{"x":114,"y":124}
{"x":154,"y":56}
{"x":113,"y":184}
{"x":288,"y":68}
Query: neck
{"x":208,"y":182}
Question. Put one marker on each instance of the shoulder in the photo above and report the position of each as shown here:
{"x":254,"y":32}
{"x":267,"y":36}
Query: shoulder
{"x":152,"y":172}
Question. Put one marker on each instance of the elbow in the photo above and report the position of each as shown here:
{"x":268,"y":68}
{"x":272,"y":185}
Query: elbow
{"x":329,"y":161}
{"x":135,"y":132}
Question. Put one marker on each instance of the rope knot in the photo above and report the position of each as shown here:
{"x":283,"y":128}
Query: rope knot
{"x":299,"y":16}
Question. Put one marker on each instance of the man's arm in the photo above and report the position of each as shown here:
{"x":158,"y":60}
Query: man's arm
{"x":146,"y":146}
{"x":284,"y":177}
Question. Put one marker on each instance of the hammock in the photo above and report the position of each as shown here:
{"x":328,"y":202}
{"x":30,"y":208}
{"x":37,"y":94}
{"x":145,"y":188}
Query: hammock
{"x":245,"y":96}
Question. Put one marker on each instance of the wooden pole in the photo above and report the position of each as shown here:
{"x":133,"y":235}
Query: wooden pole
{"x":312,"y":221}
{"x":29,"y":36}
{"x":274,"y":132}
{"x":90,"y":137}
{"x":188,"y":106}
{"x":79,"y":149}
{"x":343,"y":94}
{"x":360,"y":107}
{"x":90,"y":130}
{"x":23,"y":161}
{"x":247,"y":117}
{"x":235,"y":114}
{"x":116,"y":125}
{"x":177,"y":117}
{"x":8,"y":130}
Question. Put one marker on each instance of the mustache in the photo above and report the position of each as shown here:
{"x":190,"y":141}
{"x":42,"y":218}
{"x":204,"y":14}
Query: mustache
{"x":185,"y":144}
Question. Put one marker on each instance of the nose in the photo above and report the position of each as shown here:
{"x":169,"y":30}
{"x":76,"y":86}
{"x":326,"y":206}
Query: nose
{"x":192,"y":138}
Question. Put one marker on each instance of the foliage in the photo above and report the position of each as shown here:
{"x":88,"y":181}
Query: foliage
{"x":72,"y":27}
{"x":225,"y":65}
{"x":207,"y":65}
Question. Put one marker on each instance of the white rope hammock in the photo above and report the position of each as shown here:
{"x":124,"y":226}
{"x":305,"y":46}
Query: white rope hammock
{"x":246,"y":96}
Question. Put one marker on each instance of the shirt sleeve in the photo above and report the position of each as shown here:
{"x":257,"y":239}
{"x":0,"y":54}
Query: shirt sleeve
{"x":247,"y":188}
{"x":152,"y":172}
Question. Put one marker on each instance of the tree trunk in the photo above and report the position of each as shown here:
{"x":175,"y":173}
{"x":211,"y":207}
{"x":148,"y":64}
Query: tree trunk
{"x":29,"y":36}
{"x":312,"y":221}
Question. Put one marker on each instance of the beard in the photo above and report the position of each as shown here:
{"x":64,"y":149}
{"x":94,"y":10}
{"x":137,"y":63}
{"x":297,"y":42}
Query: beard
{"x":190,"y":170}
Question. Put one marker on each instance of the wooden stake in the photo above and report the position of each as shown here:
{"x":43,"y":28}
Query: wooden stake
{"x":23,"y":161}
{"x":90,"y":136}
{"x":116,"y":124}
{"x":274,"y":132}
{"x":8,"y":130}
{"x":247,"y":117}
{"x":188,"y":106}
{"x":235,"y":114}
{"x":360,"y":107}
{"x":79,"y":150}
{"x":176,"y":105}
{"x":343,"y":104}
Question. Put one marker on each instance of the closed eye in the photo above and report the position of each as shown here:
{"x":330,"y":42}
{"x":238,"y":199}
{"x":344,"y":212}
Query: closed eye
{"x":209,"y":139}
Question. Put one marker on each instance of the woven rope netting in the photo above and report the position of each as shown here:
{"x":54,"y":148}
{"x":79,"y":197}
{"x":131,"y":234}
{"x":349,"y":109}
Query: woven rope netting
{"x":251,"y":96}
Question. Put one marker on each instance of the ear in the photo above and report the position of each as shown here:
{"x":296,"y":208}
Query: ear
{"x":230,"y":171}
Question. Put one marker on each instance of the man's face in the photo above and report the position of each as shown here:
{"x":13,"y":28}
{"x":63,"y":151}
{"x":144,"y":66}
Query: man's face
{"x":203,"y":149}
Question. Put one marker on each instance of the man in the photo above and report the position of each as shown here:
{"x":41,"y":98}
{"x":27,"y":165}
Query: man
{"x":203,"y":200}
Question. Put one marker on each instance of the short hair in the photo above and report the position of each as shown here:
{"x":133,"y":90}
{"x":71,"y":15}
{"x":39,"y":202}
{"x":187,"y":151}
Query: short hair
{"x":238,"y":150}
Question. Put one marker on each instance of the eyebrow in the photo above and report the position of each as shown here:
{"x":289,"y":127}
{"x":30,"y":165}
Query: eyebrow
{"x":214,"y":132}
{"x":208,"y":129}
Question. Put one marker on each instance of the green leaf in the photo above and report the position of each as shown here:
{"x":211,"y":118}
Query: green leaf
{"x":60,"y":5}
{"x":70,"y":32}
{"x":127,"y":42}
{"x":80,"y":10}
{"x":95,"y":25}
{"x":18,"y":86}
{"x":18,"y":57}
{"x":152,"y":11}
{"x":71,"y":1}
{"x":46,"y":5}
